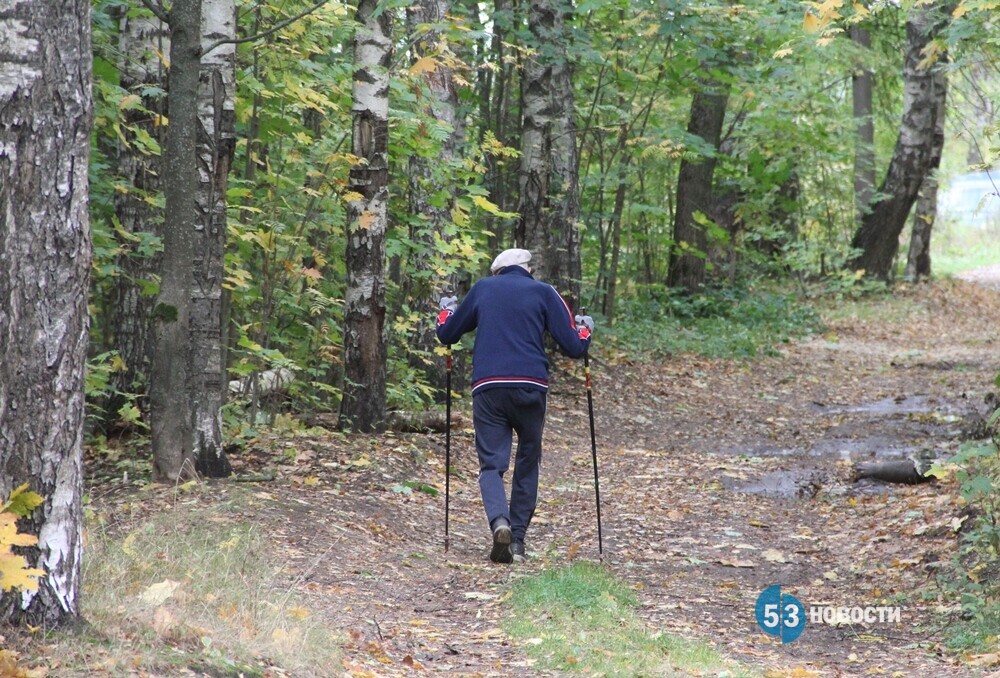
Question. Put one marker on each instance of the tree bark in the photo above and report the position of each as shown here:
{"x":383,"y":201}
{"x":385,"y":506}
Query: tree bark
{"x":170,"y":372}
{"x":862,"y":88}
{"x":426,"y":182}
{"x":216,"y":144}
{"x":363,"y":404}
{"x":45,"y":254}
{"x":687,"y":268}
{"x":916,"y":153}
{"x":549,"y":175}
{"x":918,"y":260}
{"x":142,"y":39}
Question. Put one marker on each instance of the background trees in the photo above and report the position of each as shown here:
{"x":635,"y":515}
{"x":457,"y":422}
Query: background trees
{"x":365,"y":180}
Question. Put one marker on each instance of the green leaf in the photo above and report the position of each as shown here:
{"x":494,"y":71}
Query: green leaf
{"x":22,"y":502}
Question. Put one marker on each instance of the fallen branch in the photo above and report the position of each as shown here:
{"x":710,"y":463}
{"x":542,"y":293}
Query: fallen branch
{"x":896,"y":471}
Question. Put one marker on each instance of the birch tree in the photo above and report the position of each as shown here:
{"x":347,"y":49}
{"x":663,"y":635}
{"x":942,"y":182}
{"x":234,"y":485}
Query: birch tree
{"x":363,"y":404}
{"x":45,"y":252}
{"x":916,"y":154}
{"x":144,"y":43}
{"x":187,"y":371}
{"x":216,"y":143}
{"x":549,"y":174}
{"x":426,"y":179}
{"x":170,"y":416}
{"x":918,"y":259}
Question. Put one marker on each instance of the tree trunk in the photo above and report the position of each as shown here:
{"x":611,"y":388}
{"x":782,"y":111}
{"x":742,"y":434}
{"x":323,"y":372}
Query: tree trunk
{"x":363,"y":404}
{"x":170,"y":371}
{"x":616,"y":221}
{"x":918,"y":261}
{"x":501,"y":120}
{"x":549,"y":181}
{"x":916,"y":153}
{"x":45,"y":254}
{"x":142,"y":38}
{"x":694,"y":189}
{"x":216,"y":144}
{"x":426,"y":182}
{"x":862,"y":87}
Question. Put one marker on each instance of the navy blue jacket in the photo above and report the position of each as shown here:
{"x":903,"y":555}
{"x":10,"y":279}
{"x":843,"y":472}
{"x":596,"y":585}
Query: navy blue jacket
{"x":511,"y":312}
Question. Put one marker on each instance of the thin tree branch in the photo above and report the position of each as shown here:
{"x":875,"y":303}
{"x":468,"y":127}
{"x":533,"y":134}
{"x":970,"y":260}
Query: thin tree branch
{"x":157,"y":10}
{"x":271,"y":31}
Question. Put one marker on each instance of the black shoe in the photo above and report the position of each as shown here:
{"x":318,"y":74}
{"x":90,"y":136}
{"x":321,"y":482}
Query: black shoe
{"x":501,"y":541}
{"x":517,"y":551}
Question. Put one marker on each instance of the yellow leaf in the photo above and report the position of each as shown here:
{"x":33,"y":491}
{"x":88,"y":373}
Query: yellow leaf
{"x":423,"y":65}
{"x":129,"y":101}
{"x":118,"y":365}
{"x":961,"y":11}
{"x":829,"y":7}
{"x":782,"y":53}
{"x":157,"y":594}
{"x":367,"y":220}
{"x":459,"y":216}
{"x":22,"y":502}
{"x":311,"y":481}
{"x":298,"y":613}
{"x":9,"y":535}
{"x":861,"y":9}
{"x":14,"y":570}
{"x":831,"y":575}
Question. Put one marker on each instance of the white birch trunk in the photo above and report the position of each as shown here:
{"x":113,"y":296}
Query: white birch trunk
{"x":549,"y":181}
{"x":363,"y":404}
{"x":216,"y":142}
{"x":144,"y":42}
{"x":45,"y":253}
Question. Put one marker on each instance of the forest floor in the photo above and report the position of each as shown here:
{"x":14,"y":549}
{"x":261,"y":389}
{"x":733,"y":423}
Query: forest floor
{"x":718,"y":478}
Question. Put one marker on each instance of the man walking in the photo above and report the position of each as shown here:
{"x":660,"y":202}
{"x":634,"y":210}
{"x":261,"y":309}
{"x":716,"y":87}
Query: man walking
{"x":511,"y":311}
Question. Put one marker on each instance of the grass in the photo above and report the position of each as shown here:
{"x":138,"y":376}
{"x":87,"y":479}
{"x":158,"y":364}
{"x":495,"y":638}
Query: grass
{"x":723,"y":323}
{"x":955,"y":249}
{"x":188,"y":589}
{"x":580,"y":618}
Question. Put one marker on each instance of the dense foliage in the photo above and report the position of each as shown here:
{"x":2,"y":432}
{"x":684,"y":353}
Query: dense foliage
{"x":783,"y":208}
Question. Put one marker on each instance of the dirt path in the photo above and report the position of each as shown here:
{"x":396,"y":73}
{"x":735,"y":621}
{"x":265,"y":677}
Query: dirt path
{"x":718,"y":479}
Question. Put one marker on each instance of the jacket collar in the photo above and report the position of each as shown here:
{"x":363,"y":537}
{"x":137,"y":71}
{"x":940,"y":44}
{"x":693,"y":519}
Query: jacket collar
{"x":515,"y":270}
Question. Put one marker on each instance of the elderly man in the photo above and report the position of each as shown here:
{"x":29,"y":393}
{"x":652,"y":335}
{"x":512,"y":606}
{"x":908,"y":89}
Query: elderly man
{"x":511,"y":311}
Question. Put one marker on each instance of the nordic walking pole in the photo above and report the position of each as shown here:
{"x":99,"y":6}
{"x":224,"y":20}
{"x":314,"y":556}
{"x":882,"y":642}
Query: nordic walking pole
{"x":447,"y":443}
{"x":593,"y":446}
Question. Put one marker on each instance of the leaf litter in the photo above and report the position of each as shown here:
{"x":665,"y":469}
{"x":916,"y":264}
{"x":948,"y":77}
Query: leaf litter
{"x":672,"y":437}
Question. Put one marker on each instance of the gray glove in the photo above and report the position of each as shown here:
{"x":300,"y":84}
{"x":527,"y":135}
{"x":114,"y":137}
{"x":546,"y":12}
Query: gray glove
{"x":448,"y":304}
{"x":584,"y":321}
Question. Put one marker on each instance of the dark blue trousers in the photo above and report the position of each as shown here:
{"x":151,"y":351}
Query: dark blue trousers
{"x":497,"y":413}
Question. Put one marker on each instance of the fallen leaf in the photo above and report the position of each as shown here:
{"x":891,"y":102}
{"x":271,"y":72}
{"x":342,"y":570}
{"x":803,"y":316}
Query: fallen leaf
{"x":157,"y":594}
{"x":736,"y":563}
{"x":775,"y":556}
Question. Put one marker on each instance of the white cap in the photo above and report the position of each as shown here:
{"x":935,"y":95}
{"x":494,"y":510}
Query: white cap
{"x":512,"y":257}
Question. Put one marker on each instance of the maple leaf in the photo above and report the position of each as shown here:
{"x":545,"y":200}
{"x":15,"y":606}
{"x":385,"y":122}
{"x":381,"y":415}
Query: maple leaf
{"x":367,"y":220}
{"x":14,"y":570}
{"x":423,"y":65}
{"x":22,"y":502}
